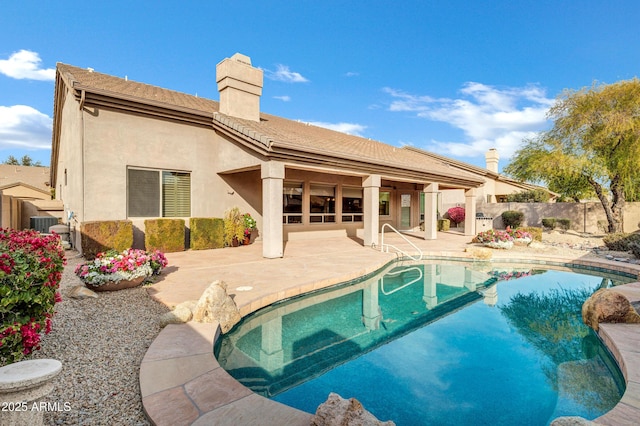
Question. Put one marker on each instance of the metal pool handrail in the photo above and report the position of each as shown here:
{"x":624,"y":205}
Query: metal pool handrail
{"x":382,"y":244}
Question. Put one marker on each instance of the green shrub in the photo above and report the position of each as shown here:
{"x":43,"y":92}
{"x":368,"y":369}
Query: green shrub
{"x":30,"y":272}
{"x":564,"y":224}
{"x":635,"y":249}
{"x":206,"y":233}
{"x":512,"y":218}
{"x":443,"y":224}
{"x":100,"y":236}
{"x":620,"y":241}
{"x":549,"y":222}
{"x":233,"y":226}
{"x":166,"y":235}
{"x":535,"y":232}
{"x":531,"y":196}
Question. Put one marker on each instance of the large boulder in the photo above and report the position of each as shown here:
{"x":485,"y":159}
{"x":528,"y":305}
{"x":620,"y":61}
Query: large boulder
{"x":181,"y":313}
{"x":216,"y":305}
{"x":337,"y":411}
{"x":608,"y":306}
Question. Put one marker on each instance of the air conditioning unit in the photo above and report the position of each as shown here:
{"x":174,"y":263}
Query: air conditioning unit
{"x":42,"y":223}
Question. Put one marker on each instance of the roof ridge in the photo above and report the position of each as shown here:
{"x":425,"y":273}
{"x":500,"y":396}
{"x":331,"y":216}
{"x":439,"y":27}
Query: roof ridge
{"x":245,"y":130}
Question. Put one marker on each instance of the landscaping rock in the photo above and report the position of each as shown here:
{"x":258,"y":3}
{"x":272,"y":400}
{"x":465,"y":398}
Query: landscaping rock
{"x":608,"y":306}
{"x":571,"y":421}
{"x":81,"y":292}
{"x":181,"y":314}
{"x":216,"y":305}
{"x":337,"y":411}
{"x":479,"y":252}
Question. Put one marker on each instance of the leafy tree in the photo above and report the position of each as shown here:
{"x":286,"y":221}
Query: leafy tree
{"x":592,"y":148}
{"x":24,"y":161}
{"x":531,"y":196}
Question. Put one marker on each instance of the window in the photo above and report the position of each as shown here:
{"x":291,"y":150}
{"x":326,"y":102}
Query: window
{"x":158,"y":193}
{"x":322,"y":204}
{"x":384,"y":203}
{"x":351,"y":204}
{"x":292,"y":202}
{"x":422,"y":207}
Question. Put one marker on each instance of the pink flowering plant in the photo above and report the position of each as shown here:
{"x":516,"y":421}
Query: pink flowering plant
{"x":31,"y":268}
{"x":113,"y":267}
{"x":519,"y":236}
{"x":456,"y":214}
{"x":249,"y":224}
{"x":495,"y":239}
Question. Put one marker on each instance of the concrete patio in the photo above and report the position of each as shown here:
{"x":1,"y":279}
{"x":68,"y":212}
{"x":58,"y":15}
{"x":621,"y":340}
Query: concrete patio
{"x":182,"y":383}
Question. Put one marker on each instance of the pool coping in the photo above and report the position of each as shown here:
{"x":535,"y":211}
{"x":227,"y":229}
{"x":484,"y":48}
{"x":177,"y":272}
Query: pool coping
{"x":182,"y":383}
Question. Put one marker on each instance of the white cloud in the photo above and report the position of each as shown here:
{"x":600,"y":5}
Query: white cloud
{"x":352,"y":74}
{"x":25,"y":64}
{"x":349,"y":128}
{"x":489,"y":117}
{"x":282,"y":73}
{"x":284,"y":98}
{"x":25,"y":127}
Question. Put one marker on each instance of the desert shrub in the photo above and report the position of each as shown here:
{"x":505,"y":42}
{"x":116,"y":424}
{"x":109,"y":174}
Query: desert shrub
{"x":456,"y":214}
{"x":100,"y":236}
{"x":620,"y":241}
{"x":233,"y":226}
{"x":30,"y":272}
{"x":206,"y":233}
{"x":166,"y":235}
{"x":564,"y":224}
{"x":549,"y":222}
{"x":512,"y":218}
{"x":535,"y":232}
{"x":443,"y":224}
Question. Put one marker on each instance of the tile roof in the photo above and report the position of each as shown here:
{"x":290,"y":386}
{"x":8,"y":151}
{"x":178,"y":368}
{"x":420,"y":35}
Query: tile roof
{"x":37,"y":177}
{"x":273,"y":133}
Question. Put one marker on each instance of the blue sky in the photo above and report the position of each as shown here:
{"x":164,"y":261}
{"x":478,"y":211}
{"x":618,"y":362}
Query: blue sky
{"x":452,"y":77}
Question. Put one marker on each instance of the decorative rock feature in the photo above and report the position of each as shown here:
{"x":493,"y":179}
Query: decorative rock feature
{"x":181,"y":314}
{"x":479,"y":252}
{"x":608,"y":306}
{"x":216,"y":305}
{"x":571,"y":421}
{"x":337,"y":411}
{"x":81,"y":292}
{"x":23,"y":384}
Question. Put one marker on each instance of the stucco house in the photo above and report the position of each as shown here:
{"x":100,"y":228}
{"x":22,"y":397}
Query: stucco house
{"x":127,"y":150}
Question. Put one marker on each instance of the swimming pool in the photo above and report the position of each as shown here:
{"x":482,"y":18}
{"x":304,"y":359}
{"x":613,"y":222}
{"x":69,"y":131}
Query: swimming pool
{"x":434,"y":343}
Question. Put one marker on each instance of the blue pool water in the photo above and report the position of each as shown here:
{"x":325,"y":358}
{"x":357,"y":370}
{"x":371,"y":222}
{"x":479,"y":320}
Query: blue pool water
{"x":434,"y":343}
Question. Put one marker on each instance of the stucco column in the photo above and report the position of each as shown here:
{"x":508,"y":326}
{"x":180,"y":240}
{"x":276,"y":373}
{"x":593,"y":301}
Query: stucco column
{"x":272,"y":174}
{"x":430,"y":284}
{"x":371,"y":189}
{"x":470,"y":212}
{"x":430,"y":211}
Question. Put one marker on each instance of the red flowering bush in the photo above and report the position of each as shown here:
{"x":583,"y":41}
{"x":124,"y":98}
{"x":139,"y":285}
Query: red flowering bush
{"x":456,"y":214}
{"x":30,"y":272}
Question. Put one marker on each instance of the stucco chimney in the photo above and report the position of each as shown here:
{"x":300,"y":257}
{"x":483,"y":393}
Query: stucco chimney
{"x":492,"y":158}
{"x":240,"y":87}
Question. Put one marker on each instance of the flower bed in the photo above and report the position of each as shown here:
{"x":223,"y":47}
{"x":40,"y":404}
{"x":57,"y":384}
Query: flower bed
{"x":495,"y":239}
{"x":111,"y":267}
{"x":520,"y":237}
{"x":30,"y":272}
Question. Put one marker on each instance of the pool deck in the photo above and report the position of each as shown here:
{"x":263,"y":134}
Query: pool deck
{"x":182,"y":383}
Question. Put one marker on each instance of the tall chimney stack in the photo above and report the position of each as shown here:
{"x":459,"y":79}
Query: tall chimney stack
{"x":492,"y":158}
{"x":240,"y":87}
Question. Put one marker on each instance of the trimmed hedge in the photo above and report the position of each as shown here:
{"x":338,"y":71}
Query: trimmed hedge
{"x":564,"y":224}
{"x":443,"y":224}
{"x":166,"y":235}
{"x":549,"y":222}
{"x":535,"y":232}
{"x":100,"y":236}
{"x":512,"y":218}
{"x":206,"y":233}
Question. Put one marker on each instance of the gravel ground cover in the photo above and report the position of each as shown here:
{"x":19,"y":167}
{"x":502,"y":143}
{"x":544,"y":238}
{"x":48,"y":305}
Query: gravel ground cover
{"x":101,"y":343}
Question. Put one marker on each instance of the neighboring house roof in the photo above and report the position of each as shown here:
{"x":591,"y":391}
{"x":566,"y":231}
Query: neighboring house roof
{"x":480,"y":171}
{"x":44,"y":192}
{"x":273,"y":137}
{"x":34,"y":177}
